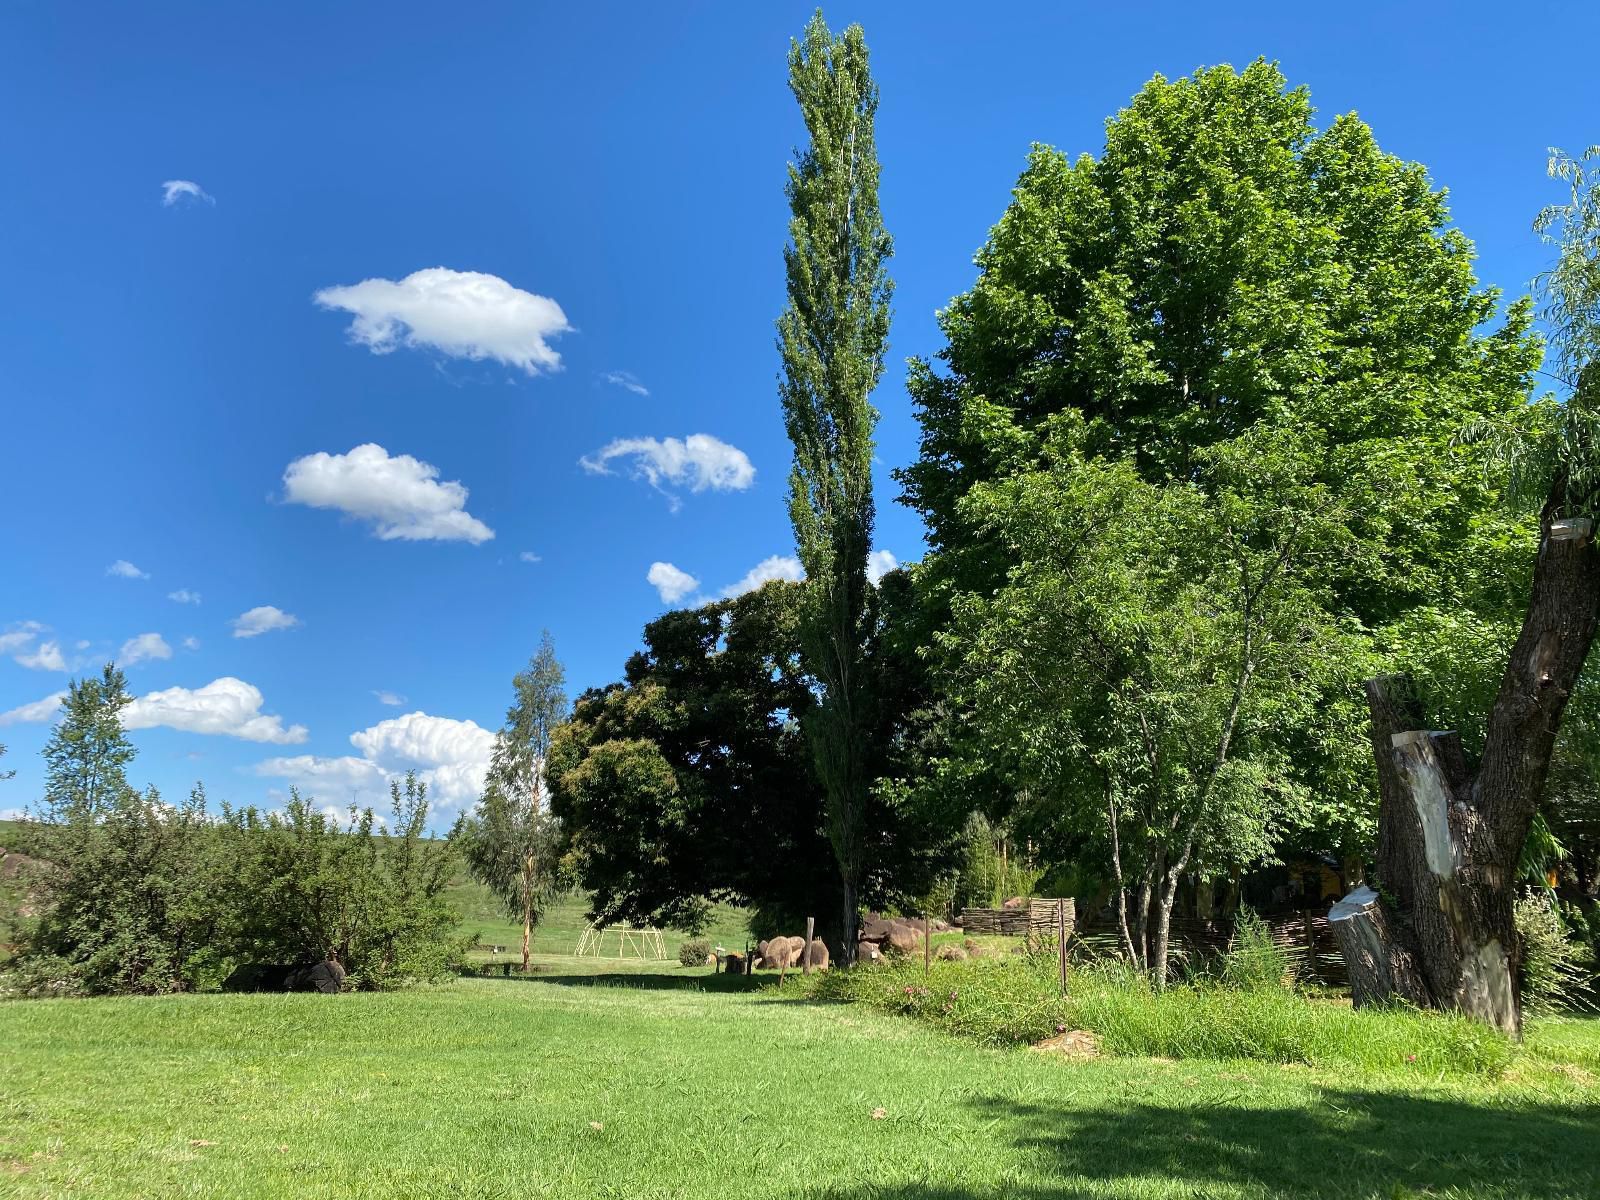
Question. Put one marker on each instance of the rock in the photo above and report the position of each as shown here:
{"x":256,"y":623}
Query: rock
{"x":326,"y":976}
{"x":941,"y":926}
{"x":948,"y":953}
{"x":875,"y":929}
{"x":868,"y":952}
{"x":904,"y":937}
{"x":777,"y":955}
{"x":816,"y":956}
{"x":260,"y":977}
{"x":1015,"y":902}
{"x":733,"y":963}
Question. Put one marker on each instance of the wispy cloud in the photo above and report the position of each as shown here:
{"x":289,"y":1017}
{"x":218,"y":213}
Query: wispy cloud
{"x":698,"y":463}
{"x":47,"y":657}
{"x":123,"y":569}
{"x":184,"y":596}
{"x":263,"y":619}
{"x":625,"y":379}
{"x":144,"y":648}
{"x":528,"y":556}
{"x":177,"y":191}
{"x":392,"y":699}
{"x":38,"y":710}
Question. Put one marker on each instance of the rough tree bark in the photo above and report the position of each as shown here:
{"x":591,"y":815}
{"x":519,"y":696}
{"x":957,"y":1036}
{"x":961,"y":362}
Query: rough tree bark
{"x":1439,"y":931}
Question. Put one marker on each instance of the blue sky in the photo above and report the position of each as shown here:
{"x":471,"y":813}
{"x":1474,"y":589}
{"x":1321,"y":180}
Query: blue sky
{"x":477,"y":245}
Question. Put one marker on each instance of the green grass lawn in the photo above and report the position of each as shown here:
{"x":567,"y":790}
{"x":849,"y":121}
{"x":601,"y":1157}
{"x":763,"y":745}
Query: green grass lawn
{"x":676,"y":1084}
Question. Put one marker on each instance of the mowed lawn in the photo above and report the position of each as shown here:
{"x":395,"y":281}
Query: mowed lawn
{"x":668,"y":1085}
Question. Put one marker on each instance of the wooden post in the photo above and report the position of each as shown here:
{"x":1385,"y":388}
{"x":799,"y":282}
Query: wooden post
{"x":805,"y":954}
{"x":1061,"y":941}
{"x":927,"y":945}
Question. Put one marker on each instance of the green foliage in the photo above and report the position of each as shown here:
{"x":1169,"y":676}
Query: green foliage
{"x":1017,"y":999}
{"x":308,"y":885}
{"x":1191,"y":466}
{"x":1254,"y":960}
{"x":690,"y":781}
{"x":130,"y":899}
{"x":1571,"y":288}
{"x":694,"y":951}
{"x":832,"y":336}
{"x":1552,"y":977}
{"x":88,"y":751}
{"x":979,"y":878}
{"x":512,"y":841}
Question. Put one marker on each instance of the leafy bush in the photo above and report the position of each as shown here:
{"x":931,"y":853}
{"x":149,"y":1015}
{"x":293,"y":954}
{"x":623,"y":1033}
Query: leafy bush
{"x":1552,"y":978}
{"x":694,"y":952}
{"x":1255,"y":960}
{"x":1016,"y":1000}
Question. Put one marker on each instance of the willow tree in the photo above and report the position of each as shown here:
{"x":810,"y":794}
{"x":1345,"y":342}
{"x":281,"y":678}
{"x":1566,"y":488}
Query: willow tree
{"x":1440,"y":928}
{"x":832,"y":337}
{"x":511,"y":839}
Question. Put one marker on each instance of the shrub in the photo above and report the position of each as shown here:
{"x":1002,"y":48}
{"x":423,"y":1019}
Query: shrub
{"x":694,"y":952}
{"x":1551,"y":975}
{"x":1016,"y":999}
{"x":1255,"y":960}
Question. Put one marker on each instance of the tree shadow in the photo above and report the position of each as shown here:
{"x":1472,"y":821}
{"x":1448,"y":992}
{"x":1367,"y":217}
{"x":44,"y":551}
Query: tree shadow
{"x":1351,"y":1144}
{"x":640,"y":980}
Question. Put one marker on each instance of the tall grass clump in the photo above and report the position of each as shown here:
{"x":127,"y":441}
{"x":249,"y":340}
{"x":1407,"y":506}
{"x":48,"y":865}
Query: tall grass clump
{"x":1017,"y":1000}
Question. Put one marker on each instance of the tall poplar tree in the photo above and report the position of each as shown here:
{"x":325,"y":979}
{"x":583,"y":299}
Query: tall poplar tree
{"x":832,"y":337}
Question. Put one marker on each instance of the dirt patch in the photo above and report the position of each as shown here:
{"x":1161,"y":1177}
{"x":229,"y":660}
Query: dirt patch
{"x":1071,"y":1043}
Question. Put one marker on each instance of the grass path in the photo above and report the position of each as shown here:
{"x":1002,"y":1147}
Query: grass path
{"x":488,"y":1088}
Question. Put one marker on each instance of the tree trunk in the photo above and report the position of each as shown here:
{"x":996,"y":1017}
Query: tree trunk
{"x":1448,"y":842}
{"x":527,"y":911}
{"x":847,"y":951}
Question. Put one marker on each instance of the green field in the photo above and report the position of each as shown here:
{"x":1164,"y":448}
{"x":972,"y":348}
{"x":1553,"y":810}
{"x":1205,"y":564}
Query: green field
{"x":656,"y":1086}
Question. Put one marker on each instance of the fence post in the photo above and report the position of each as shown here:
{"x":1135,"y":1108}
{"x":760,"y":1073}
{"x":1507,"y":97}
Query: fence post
{"x":805,"y":955}
{"x":927,"y":945}
{"x":1061,"y":941}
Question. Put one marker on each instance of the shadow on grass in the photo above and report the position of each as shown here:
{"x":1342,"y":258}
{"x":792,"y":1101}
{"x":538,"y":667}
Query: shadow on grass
{"x":641,"y":980}
{"x":1352,"y":1144}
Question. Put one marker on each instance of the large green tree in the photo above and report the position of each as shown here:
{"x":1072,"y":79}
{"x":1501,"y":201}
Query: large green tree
{"x":1225,"y":288}
{"x":511,"y":840}
{"x":832,"y":337}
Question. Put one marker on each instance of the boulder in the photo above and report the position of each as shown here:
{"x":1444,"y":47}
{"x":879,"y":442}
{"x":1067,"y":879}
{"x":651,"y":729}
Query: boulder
{"x":868,"y":952}
{"x":904,"y":937}
{"x":875,"y":928}
{"x":326,"y":976}
{"x":948,"y":953}
{"x":776,"y":955}
{"x":260,"y":977}
{"x":816,"y":955}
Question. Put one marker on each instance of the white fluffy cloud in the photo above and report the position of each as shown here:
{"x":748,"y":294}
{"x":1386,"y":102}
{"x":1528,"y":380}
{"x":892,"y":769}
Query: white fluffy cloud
{"x":144,"y":648}
{"x":38,"y":710}
{"x":123,"y":569}
{"x":226,"y":706}
{"x":173,"y":191}
{"x":262,"y":619}
{"x":464,"y":314}
{"x":184,"y":596}
{"x":879,"y":564}
{"x":670,"y":582}
{"x":779,"y":566}
{"x":47,"y":657}
{"x":625,"y":379}
{"x":450,"y":756}
{"x":699,"y":462}
{"x":400,"y":495}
